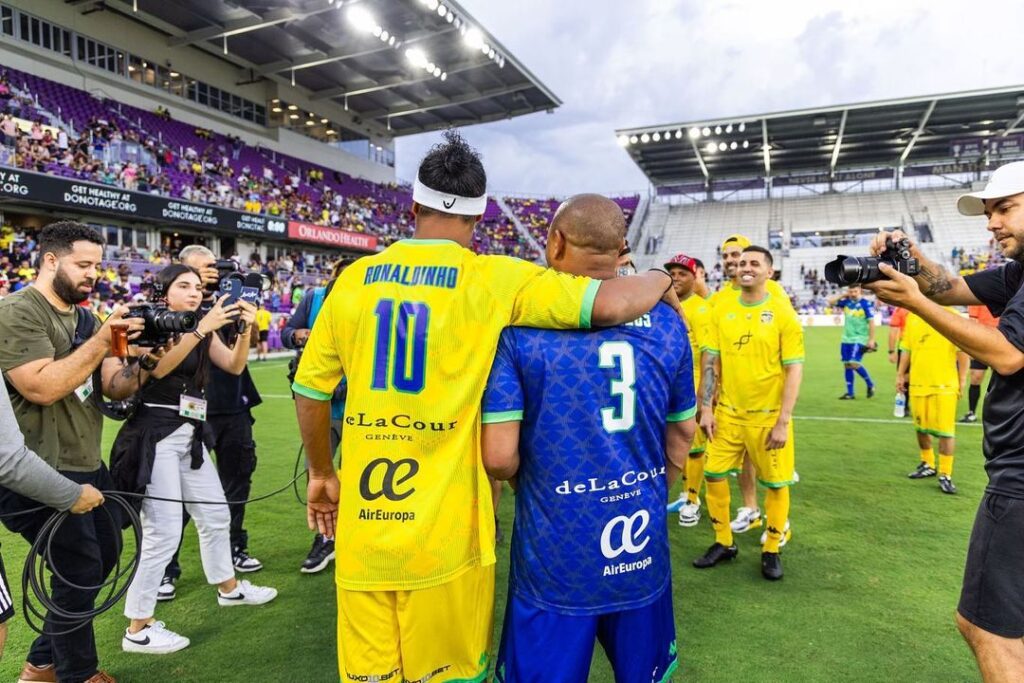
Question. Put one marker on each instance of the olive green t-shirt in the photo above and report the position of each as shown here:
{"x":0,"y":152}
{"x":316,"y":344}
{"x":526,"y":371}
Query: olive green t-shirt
{"x":66,"y":434}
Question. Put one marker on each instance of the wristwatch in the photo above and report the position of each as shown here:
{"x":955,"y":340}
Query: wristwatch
{"x":147,"y":363}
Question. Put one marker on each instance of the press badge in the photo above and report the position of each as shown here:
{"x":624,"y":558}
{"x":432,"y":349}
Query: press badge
{"x":193,"y":408}
{"x":85,"y":391}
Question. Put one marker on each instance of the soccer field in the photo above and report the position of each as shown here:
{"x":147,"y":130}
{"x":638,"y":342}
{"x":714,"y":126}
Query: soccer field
{"x":872,"y":571}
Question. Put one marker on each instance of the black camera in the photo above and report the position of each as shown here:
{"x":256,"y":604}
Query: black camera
{"x":161,"y":323}
{"x":860,"y":270}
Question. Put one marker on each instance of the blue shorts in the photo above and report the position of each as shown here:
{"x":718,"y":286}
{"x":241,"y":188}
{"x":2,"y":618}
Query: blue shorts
{"x":542,"y":646}
{"x":852,"y":352}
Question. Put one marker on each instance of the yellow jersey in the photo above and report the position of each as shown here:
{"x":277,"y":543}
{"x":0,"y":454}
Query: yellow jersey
{"x":696,"y":311}
{"x":932,"y":359}
{"x":754,"y":341}
{"x":730,"y":290}
{"x":414,"y":329}
{"x":263,"y":317}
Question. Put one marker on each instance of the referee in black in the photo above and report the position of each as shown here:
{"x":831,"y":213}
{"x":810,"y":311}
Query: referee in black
{"x":991,"y":610}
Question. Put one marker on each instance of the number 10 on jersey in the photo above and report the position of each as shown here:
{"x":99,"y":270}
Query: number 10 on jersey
{"x":401,"y":346}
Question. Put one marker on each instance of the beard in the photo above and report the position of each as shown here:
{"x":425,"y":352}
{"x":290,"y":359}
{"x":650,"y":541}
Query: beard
{"x":67,"y":290}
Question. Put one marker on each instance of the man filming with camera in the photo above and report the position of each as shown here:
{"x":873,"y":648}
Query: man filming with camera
{"x":50,"y":349}
{"x":991,"y":611}
{"x":230,"y":400}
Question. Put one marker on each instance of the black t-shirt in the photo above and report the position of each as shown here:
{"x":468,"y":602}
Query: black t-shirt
{"x":183,"y":380}
{"x":1000,"y":289}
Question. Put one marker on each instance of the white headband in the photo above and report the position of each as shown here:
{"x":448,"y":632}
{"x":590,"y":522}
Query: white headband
{"x":448,"y":203}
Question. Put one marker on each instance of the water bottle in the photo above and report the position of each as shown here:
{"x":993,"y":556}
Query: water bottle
{"x":900,"y":407}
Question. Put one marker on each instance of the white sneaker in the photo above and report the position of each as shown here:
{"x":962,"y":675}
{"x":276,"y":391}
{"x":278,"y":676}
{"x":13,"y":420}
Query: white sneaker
{"x":677,"y":504}
{"x":153,"y":639}
{"x":166,"y":592}
{"x":786,"y":534}
{"x":689,"y":514}
{"x":746,"y":519}
{"x":246,"y":594}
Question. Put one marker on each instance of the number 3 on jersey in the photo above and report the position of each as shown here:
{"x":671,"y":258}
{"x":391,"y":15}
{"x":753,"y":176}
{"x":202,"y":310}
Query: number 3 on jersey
{"x":619,"y":354}
{"x":401,"y":345}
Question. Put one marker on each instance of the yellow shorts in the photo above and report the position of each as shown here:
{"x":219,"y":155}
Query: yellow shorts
{"x":700,"y":442}
{"x":725,"y":453}
{"x":935,"y":414}
{"x":436,"y":634}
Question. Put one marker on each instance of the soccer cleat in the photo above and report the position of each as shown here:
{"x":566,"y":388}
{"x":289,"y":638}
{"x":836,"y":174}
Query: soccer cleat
{"x":677,"y":504}
{"x":244,"y":562}
{"x":153,"y":639}
{"x":847,"y":397}
{"x":923,"y":470}
{"x":871,"y":392}
{"x":30,"y":673}
{"x":771,"y":566}
{"x":969,"y":417}
{"x":166,"y":592}
{"x":715,"y":554}
{"x":320,"y":555}
{"x":946,"y":484}
{"x":746,"y":519}
{"x":689,"y":514}
{"x":786,"y":535}
{"x":246,"y":594}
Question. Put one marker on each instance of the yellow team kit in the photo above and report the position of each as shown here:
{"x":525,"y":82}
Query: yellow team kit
{"x":934,"y":380}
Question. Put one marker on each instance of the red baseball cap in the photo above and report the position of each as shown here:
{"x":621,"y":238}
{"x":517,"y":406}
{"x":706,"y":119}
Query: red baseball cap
{"x":683,"y":260}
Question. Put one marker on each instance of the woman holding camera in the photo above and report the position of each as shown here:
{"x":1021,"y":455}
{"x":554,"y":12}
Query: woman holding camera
{"x":162,"y":449}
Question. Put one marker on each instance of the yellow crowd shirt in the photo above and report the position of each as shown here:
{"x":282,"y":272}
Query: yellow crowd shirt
{"x":755,"y":342}
{"x":932,"y":359}
{"x":414,"y":330}
{"x":263,"y":317}
{"x":696,"y":311}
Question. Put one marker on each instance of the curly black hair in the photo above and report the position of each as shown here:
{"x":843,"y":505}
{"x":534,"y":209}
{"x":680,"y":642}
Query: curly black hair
{"x":453,"y":167}
{"x":59,"y":238}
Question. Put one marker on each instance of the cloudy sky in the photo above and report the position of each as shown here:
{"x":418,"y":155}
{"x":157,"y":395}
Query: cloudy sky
{"x":618,"y":64}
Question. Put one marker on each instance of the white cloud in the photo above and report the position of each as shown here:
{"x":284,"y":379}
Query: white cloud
{"x":657,"y":61}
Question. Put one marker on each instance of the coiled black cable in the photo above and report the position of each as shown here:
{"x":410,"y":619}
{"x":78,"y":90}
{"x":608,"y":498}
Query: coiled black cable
{"x":34,"y":584}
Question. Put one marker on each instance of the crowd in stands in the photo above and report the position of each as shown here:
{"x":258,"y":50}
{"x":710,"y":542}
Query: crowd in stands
{"x":535,"y":214}
{"x":971,"y":261}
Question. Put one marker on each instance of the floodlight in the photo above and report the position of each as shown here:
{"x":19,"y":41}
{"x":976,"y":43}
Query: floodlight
{"x":746,"y":144}
{"x":416,"y":56}
{"x":742,"y":127}
{"x":361,"y":18}
{"x":430,"y":67}
{"x":391,"y":41}
{"x":645,"y":138}
{"x":722,"y":146}
{"x":633,"y":140}
{"x":276,"y":110}
{"x":292,"y":107}
{"x":309,"y":123}
{"x":623,"y":141}
{"x":323,"y":120}
{"x":718,"y":130}
{"x":442,"y":11}
{"x":706,"y":131}
{"x":293,"y":116}
{"x":694,"y":133}
{"x":377,"y":31}
{"x":474,"y":38}
{"x":728,"y":129}
{"x":656,"y":137}
{"x":437,"y":72}
{"x":679,"y":134}
{"x":733,"y":145}
{"x":711,"y":148}
{"x":444,"y":75}
{"x":484,"y":48}
{"x":384,"y":35}
{"x":450,"y":18}
{"x":432,"y":5}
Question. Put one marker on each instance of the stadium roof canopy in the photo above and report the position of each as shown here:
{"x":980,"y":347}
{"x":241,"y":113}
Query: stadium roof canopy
{"x":371,"y":56}
{"x":960,"y":129}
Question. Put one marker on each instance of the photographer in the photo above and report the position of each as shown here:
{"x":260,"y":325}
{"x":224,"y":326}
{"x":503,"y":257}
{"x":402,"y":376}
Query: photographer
{"x":230,"y":400}
{"x":162,"y":449}
{"x":293,"y":336}
{"x":50,"y":351}
{"x":991,"y":610}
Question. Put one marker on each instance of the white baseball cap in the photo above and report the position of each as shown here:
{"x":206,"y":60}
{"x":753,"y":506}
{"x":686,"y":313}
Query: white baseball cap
{"x":1006,"y":181}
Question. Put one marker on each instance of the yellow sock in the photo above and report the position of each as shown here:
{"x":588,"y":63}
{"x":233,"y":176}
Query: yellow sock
{"x":718,"y":509}
{"x":776,"y":505}
{"x":928,"y":457}
{"x":693,"y":477}
{"x":946,"y":465}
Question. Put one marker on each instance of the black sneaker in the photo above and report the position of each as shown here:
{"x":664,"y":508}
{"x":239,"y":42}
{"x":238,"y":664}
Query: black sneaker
{"x":946,"y":485}
{"x":244,"y":562}
{"x":969,"y":417}
{"x":166,"y":592}
{"x":771,"y":566}
{"x":871,"y":391}
{"x":320,"y":555}
{"x":923,"y":470}
{"x":847,"y":397}
{"x":715,"y":554}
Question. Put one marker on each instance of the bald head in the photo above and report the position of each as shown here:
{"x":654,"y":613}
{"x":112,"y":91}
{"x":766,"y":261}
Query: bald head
{"x":587,"y":233}
{"x":591,"y":222}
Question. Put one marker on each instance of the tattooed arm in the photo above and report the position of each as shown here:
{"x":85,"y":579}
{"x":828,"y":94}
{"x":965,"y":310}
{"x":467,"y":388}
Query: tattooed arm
{"x":710,"y":367}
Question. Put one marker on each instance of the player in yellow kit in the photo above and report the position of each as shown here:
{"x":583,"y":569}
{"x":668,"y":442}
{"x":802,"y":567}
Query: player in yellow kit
{"x":688,"y":280}
{"x":414,"y":330}
{"x":760,"y":345}
{"x":938,"y":372}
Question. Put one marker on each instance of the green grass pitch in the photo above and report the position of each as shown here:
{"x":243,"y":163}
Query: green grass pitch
{"x":872,"y":572}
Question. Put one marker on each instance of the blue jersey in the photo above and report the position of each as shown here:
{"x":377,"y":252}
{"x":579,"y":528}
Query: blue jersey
{"x":856,"y":317}
{"x":590,"y":528}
